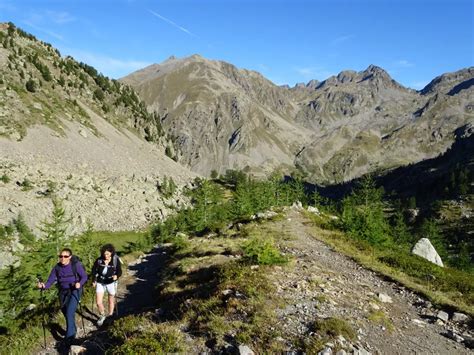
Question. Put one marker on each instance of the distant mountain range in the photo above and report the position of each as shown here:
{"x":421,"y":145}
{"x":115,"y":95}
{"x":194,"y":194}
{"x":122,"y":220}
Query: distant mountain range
{"x":222,"y":117}
{"x":209,"y":115}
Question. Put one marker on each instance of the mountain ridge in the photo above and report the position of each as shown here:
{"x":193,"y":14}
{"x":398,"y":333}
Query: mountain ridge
{"x":365,"y":115}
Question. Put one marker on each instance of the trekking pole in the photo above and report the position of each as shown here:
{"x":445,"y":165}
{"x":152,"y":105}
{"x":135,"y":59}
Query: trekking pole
{"x":43,"y":321}
{"x":82,"y":315}
{"x":93,"y":299}
{"x":116,"y":298}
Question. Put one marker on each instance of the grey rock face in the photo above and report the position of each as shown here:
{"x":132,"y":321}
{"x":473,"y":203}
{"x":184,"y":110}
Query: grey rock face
{"x":336,"y":130}
{"x":425,"y":249}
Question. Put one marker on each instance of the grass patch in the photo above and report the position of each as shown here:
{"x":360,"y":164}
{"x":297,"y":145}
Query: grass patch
{"x":140,"y":335}
{"x":379,"y":317}
{"x":218,"y":296}
{"x":241,"y":307}
{"x":262,"y":250}
{"x":327,"y":330}
{"x":120,"y":240}
{"x":333,"y":327}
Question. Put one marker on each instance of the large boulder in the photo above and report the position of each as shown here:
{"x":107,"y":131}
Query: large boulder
{"x":425,"y":249}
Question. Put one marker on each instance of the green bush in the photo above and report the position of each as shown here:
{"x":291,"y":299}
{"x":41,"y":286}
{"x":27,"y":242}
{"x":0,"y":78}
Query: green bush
{"x":26,"y":185}
{"x":5,"y":178}
{"x":139,"y":335}
{"x":99,"y":94}
{"x":261,"y":250}
{"x":31,"y":85}
{"x":333,"y":327}
{"x":142,"y":345}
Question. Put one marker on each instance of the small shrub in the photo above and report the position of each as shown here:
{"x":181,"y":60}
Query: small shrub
{"x":333,"y":327}
{"x":51,"y":188}
{"x":125,"y":327}
{"x":379,"y":317}
{"x":139,"y":335}
{"x":261,"y":250}
{"x":99,"y":94}
{"x":5,"y":178}
{"x":31,"y":85}
{"x":142,"y":345}
{"x":26,"y":185}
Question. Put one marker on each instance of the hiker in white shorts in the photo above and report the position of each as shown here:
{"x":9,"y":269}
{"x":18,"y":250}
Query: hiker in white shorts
{"x":105,"y":273}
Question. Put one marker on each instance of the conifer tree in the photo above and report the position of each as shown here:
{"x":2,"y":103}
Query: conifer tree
{"x":401,"y":234}
{"x":362,"y":213}
{"x":55,"y":231}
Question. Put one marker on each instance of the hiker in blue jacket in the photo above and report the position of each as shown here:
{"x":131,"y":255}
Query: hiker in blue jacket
{"x":105,"y":273}
{"x":70,"y":276}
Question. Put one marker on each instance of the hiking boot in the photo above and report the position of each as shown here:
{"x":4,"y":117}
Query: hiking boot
{"x":101,"y":320}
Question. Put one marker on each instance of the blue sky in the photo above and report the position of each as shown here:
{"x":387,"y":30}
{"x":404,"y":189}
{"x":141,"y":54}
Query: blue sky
{"x":288,"y":41}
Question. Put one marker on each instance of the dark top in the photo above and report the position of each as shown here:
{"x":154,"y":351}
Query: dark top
{"x":111,"y":270}
{"x":67,"y":279}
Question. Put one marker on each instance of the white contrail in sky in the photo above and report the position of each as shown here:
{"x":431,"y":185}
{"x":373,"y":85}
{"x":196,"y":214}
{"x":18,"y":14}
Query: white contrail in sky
{"x":171,"y":23}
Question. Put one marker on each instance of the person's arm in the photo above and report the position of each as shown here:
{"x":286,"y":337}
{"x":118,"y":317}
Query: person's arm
{"x":51,"y":278}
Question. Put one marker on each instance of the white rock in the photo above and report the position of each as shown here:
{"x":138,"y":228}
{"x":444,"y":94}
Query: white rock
{"x":326,"y":351}
{"x":384,"y":298}
{"x":418,"y":322}
{"x":459,"y":317}
{"x":425,"y":249}
{"x":245,"y":350}
{"x":227,"y":292}
{"x":297,"y":205}
{"x":374,"y":306}
{"x":443,"y":316}
{"x":313,"y":210}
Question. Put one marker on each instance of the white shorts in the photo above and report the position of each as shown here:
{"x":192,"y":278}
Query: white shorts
{"x":110,"y":288}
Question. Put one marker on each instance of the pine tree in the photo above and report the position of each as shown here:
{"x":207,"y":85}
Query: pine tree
{"x":401,"y":234}
{"x":362,"y":213}
{"x":26,"y":235}
{"x":209,"y":211}
{"x":55,"y":231}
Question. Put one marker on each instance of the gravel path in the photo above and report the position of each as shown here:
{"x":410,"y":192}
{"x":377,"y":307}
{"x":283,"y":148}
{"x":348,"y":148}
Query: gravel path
{"x":324,"y":283}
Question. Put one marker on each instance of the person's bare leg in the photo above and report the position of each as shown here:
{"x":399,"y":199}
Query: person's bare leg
{"x":99,"y":297}
{"x":111,"y":304}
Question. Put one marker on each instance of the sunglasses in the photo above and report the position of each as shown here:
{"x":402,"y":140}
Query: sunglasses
{"x":64,"y":256}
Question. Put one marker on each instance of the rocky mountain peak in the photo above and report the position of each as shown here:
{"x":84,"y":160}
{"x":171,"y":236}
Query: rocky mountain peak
{"x":313,"y":84}
{"x":374,"y":73}
{"x":445,"y":83}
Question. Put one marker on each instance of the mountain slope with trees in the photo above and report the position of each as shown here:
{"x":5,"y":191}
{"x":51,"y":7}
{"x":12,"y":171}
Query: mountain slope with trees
{"x":69,"y":132}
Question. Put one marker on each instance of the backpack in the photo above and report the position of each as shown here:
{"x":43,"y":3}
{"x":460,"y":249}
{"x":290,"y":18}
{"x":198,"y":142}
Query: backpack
{"x":74,"y":260}
{"x":115,"y":261}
